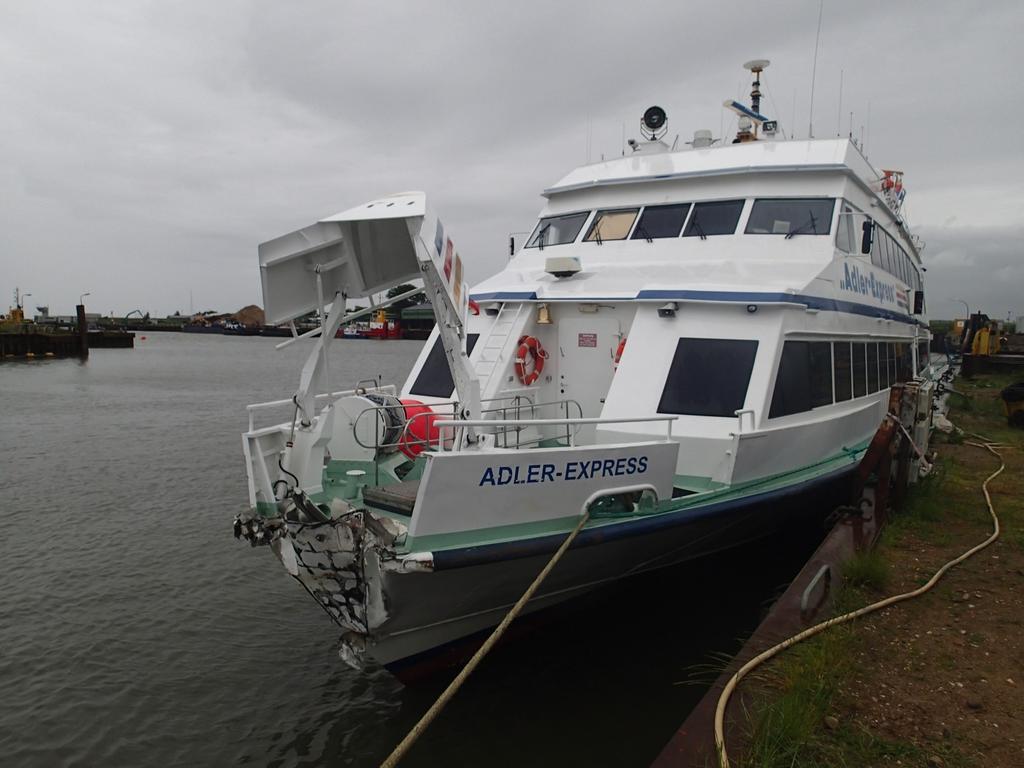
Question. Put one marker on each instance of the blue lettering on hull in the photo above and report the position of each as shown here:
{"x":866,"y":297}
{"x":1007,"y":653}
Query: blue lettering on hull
{"x":867,"y":285}
{"x":571,"y":471}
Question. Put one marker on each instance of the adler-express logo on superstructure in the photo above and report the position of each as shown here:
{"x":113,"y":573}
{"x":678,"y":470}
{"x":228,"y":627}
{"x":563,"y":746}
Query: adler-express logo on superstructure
{"x":867,"y":285}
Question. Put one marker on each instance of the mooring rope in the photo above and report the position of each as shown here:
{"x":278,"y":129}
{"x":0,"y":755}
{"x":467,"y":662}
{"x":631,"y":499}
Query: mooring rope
{"x":417,"y":730}
{"x":723,"y":700}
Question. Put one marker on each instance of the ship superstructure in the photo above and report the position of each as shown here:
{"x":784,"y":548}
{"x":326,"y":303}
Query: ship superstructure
{"x":694,"y":345}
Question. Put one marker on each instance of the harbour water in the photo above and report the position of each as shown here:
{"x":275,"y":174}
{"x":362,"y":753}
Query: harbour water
{"x":134,"y":630}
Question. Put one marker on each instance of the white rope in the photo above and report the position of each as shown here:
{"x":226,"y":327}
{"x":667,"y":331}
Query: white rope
{"x":723,"y":700}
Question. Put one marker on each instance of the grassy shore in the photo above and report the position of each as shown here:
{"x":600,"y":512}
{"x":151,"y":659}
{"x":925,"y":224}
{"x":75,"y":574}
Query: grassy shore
{"x":936,"y":681}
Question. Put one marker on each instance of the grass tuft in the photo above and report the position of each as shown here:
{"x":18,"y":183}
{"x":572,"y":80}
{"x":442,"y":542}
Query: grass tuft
{"x":867,"y":570}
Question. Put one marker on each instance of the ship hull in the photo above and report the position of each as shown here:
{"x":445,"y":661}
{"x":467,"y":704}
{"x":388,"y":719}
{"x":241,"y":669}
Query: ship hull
{"x":470,"y":590}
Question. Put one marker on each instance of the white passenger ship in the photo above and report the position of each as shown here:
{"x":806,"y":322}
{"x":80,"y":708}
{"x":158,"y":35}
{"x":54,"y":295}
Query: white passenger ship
{"x":694,"y":345}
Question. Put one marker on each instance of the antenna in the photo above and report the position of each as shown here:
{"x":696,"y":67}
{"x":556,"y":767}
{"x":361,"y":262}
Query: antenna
{"x":814,"y":73}
{"x":756,"y":67}
{"x":864,"y":141}
{"x":839,"y":112}
{"x":793,"y":121}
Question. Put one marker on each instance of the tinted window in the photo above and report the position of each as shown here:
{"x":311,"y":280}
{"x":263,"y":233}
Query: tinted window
{"x":841,"y":358}
{"x":878,"y":253}
{"x":811,"y":216}
{"x":860,"y":387}
{"x":845,"y":240}
{"x":821,"y":373}
{"x":435,"y":379}
{"x":883,"y":365}
{"x":804,"y":380}
{"x":903,"y":362}
{"x":557,"y":230}
{"x":877,"y":257}
{"x":611,"y":225}
{"x":718,"y":218}
{"x":793,"y":383}
{"x":659,"y":221}
{"x":873,"y":367}
{"x":708,"y":377}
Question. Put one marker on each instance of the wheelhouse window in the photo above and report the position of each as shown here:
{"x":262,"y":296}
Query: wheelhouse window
{"x":557,"y":230}
{"x":797,"y":216}
{"x":435,"y":377}
{"x":804,"y":380}
{"x":660,"y":221}
{"x":846,"y":235}
{"x":611,"y":225}
{"x":714,"y":218}
{"x":708,"y":377}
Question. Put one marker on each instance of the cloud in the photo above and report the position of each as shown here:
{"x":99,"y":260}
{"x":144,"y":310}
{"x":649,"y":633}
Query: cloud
{"x":146,"y":148}
{"x":981,"y":265}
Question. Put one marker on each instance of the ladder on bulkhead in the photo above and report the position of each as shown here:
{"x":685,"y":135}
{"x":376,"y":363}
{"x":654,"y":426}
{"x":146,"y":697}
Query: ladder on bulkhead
{"x":497,"y":339}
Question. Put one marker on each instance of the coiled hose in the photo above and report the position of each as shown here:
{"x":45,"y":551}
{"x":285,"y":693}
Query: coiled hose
{"x":723,"y":700}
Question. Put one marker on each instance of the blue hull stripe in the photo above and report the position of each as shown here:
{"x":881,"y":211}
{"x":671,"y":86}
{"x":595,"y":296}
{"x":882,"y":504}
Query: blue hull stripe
{"x":445,"y":559}
{"x":740,"y":297}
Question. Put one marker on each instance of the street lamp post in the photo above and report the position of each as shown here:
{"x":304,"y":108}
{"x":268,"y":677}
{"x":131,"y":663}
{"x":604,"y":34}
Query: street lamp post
{"x":967,"y":309}
{"x":81,"y":299}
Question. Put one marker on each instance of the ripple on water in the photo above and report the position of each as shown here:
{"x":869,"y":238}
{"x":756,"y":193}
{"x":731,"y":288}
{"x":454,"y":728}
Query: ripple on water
{"x":134,"y":630}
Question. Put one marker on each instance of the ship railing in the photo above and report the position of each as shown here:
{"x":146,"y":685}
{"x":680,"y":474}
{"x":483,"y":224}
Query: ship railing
{"x":512,"y":411}
{"x":253,"y":409}
{"x":452,"y":431}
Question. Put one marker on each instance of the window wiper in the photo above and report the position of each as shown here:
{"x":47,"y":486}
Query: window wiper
{"x":698,"y":227}
{"x":810,"y":223}
{"x":597,"y":235}
{"x":642,"y":231}
{"x":541,"y":235}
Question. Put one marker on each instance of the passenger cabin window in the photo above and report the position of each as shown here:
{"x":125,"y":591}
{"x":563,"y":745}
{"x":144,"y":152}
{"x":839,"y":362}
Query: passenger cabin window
{"x":708,"y":377}
{"x":860,"y":370}
{"x":883,"y":365}
{"x":873,"y":367}
{"x":611,"y":225}
{"x":841,"y":369}
{"x":888,"y":254}
{"x":659,"y":221}
{"x":557,"y":230}
{"x":810,"y":216}
{"x":435,"y":378}
{"x":715,"y":218}
{"x":805,"y":378}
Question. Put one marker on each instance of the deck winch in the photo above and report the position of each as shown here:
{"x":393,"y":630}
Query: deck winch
{"x":376,"y":424}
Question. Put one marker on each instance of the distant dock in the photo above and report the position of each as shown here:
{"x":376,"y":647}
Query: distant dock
{"x":21,"y":339}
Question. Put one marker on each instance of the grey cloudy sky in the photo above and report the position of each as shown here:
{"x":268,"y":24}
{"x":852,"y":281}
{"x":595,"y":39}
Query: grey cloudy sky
{"x":147,"y":147}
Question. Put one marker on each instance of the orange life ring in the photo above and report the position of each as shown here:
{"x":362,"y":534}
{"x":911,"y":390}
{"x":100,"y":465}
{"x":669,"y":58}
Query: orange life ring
{"x":618,"y":352}
{"x":529,"y":349}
